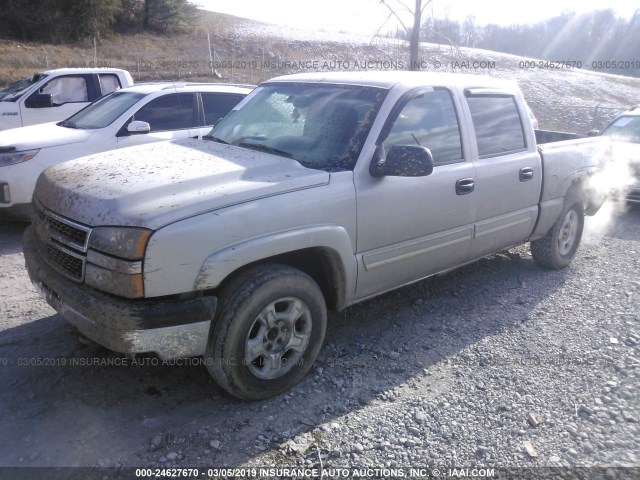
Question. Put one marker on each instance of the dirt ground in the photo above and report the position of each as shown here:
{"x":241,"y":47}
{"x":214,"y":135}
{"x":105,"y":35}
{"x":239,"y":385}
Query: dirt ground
{"x":68,"y":402}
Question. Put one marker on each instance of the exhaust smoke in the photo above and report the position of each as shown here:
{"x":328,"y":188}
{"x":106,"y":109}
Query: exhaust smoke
{"x":620,"y":172}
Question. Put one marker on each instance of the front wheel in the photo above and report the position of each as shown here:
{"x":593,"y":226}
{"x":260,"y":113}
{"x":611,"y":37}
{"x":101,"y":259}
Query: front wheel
{"x":558,"y":247}
{"x":268,"y":332}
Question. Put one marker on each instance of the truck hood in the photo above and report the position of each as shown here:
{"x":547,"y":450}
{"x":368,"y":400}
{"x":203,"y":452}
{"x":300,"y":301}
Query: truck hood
{"x":155,"y":185}
{"x":41,"y":136}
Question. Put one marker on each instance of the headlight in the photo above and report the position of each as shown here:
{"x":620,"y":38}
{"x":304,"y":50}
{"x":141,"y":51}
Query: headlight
{"x":10,"y":158}
{"x":114,"y":260}
{"x":123,"y":242}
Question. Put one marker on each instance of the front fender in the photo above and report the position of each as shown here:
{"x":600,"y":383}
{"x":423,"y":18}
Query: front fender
{"x":7,"y":122}
{"x":218,"y":266}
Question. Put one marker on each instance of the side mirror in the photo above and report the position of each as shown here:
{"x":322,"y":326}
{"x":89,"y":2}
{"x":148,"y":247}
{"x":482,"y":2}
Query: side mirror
{"x":39,"y":100}
{"x":593,"y":133}
{"x":403,"y":161}
{"x":138,"y":127}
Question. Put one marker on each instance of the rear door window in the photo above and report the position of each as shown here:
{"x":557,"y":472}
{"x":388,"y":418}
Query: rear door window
{"x":217,"y":105}
{"x":497,"y":124}
{"x":109,"y":83}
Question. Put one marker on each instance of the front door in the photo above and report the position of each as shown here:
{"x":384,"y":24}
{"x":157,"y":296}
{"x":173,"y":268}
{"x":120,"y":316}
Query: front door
{"x":69,"y":94}
{"x":412,"y":227}
{"x":171,"y":117}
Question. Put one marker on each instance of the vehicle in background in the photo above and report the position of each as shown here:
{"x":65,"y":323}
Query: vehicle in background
{"x":625,"y":131}
{"x":141,"y":114}
{"x":625,"y":128}
{"x":53,"y":95}
{"x":316,"y":192}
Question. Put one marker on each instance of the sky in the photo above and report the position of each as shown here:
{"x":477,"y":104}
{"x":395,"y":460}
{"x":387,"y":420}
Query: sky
{"x":367,"y":16}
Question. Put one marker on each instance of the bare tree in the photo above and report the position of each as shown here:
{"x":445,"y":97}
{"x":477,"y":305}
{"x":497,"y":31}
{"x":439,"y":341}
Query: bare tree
{"x":412,"y":32}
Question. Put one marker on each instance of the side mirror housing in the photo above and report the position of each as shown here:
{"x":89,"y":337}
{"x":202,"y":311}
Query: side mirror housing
{"x":593,"y":133}
{"x":403,"y":161}
{"x":138,"y":127}
{"x":39,"y":100}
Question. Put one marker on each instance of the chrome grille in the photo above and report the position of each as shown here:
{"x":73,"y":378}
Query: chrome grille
{"x":63,"y":230}
{"x":65,"y":262}
{"x":62,"y":242}
{"x":74,"y":234}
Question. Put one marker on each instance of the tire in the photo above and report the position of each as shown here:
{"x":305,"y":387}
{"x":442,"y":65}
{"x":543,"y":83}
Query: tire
{"x":558,"y":247}
{"x":267,"y":333}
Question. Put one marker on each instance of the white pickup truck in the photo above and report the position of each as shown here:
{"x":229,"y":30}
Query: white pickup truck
{"x":56,"y":94}
{"x":316,"y":192}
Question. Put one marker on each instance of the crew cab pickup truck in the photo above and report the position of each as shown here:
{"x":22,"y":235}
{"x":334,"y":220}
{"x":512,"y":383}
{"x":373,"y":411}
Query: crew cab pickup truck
{"x":56,"y":94}
{"x":316,"y":192}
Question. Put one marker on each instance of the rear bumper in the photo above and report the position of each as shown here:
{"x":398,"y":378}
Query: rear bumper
{"x":169,"y":328}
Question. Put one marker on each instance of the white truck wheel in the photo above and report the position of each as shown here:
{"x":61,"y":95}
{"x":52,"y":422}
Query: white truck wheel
{"x":267,"y":333}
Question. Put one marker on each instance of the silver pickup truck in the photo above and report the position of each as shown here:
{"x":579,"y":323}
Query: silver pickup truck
{"x":316,"y":192}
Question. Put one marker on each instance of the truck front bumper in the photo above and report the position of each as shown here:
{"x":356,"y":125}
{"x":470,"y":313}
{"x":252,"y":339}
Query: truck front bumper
{"x":169,"y":328}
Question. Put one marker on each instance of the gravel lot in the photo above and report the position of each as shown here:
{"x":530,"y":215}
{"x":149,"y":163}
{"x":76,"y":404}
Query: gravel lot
{"x":457,"y":371}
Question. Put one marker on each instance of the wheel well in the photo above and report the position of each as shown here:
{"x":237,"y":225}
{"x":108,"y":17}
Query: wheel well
{"x":591,"y":199}
{"x":576,"y":192}
{"x":321,"y":264}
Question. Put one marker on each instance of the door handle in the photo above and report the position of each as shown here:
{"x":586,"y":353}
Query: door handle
{"x":464,"y":186}
{"x":526,"y":173}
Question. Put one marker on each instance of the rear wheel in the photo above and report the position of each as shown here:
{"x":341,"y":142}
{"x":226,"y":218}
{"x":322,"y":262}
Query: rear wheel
{"x":268,"y":331}
{"x":558,"y":247}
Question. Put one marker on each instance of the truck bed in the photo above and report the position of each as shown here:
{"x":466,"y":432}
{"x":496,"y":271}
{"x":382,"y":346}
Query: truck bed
{"x":550,"y":136}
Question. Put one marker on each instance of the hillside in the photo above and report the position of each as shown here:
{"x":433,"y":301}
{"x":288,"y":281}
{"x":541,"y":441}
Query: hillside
{"x":247,"y":51}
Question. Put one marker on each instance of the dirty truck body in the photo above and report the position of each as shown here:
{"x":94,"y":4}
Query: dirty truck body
{"x":318,"y":191}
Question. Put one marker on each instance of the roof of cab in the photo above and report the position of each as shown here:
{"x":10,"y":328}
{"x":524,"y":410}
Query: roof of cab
{"x":389,"y":79}
{"x":69,"y":71}
{"x":147,"y":88}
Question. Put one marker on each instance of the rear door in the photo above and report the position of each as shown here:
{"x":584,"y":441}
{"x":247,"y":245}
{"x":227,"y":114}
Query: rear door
{"x":508,"y":172}
{"x":171,"y":117}
{"x":411,"y":227}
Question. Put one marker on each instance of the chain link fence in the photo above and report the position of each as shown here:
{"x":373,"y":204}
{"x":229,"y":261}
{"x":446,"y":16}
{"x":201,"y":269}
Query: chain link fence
{"x":252,"y":64}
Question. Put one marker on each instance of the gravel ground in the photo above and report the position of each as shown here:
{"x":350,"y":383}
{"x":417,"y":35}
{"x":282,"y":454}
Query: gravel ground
{"x":498,"y":364}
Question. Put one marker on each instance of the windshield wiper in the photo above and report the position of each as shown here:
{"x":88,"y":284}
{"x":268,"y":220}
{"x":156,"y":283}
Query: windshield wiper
{"x":215,"y":139}
{"x":261,"y":147}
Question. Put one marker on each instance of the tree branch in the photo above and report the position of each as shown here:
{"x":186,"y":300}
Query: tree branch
{"x":395,"y":15}
{"x":378,"y":31}
{"x":406,"y":7}
{"x":424,"y":7}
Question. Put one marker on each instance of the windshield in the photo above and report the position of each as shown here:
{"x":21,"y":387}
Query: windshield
{"x":102,"y":112}
{"x":321,"y":126}
{"x":624,"y":129}
{"x":13,"y":92}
